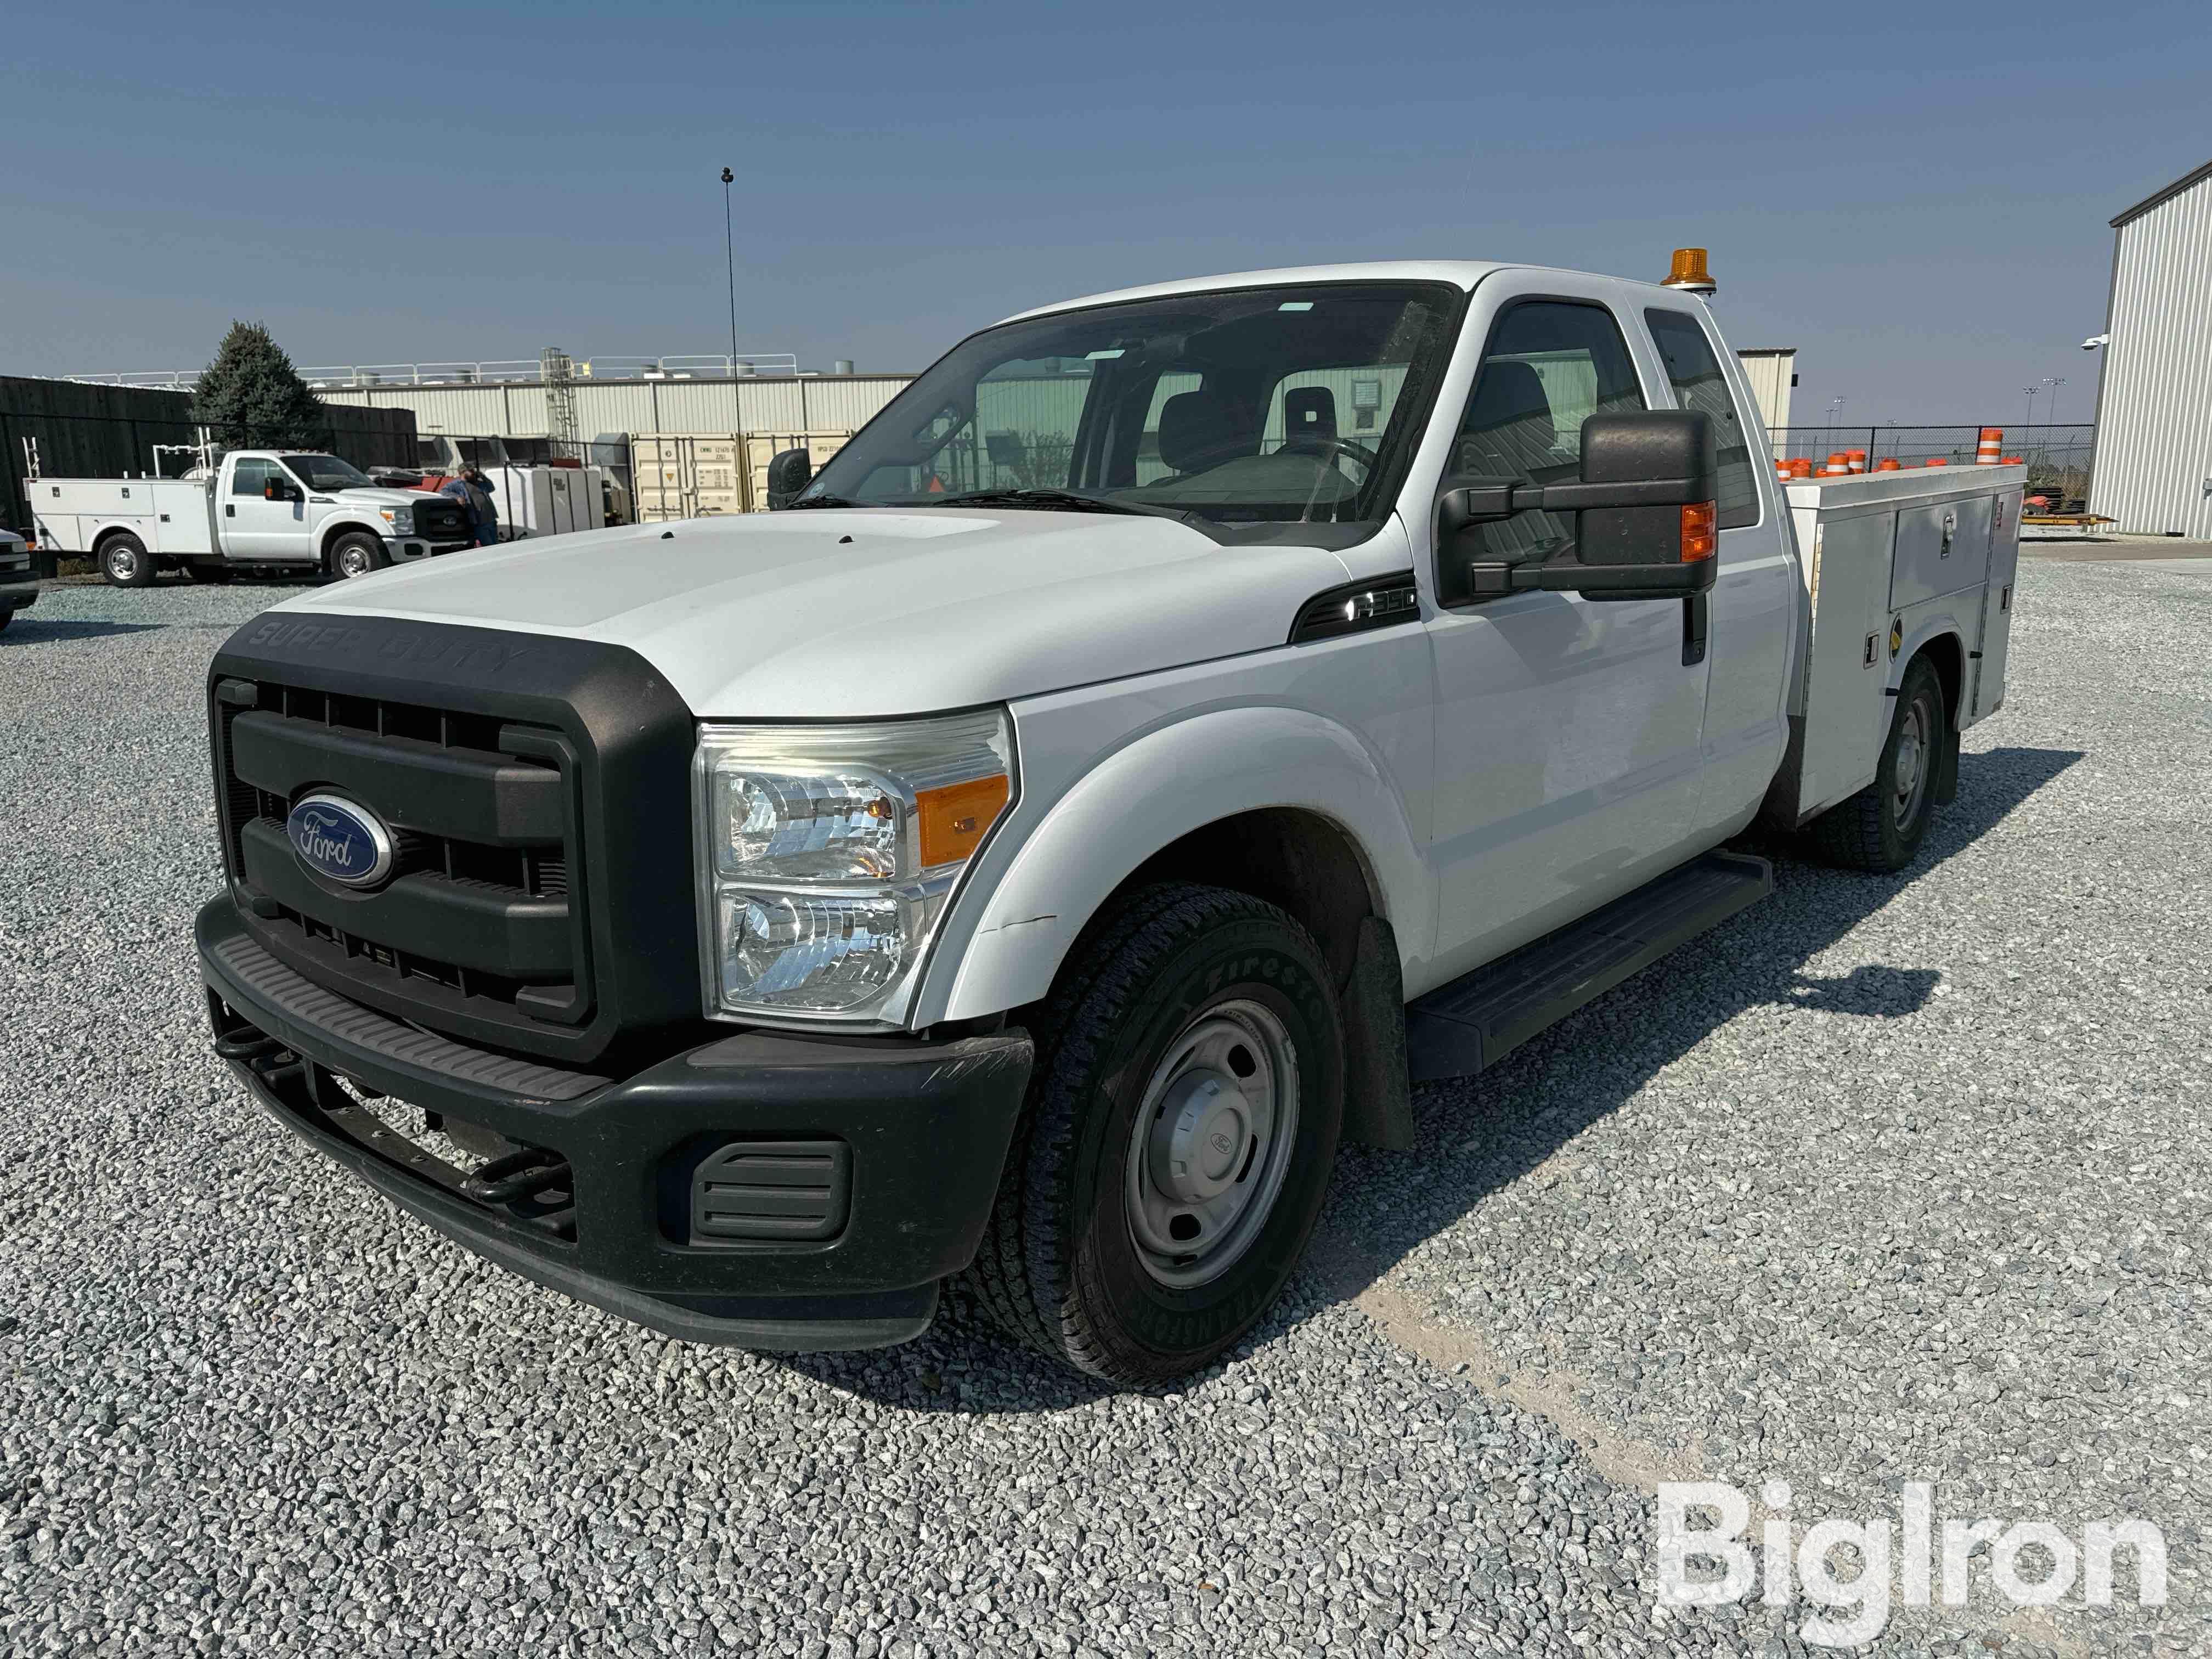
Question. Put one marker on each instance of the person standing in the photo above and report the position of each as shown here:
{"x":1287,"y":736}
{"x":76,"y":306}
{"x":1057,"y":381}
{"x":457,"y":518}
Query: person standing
{"x":473,"y":490}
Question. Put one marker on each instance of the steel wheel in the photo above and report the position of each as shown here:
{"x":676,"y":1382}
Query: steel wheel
{"x":1210,"y":1143}
{"x":1176,"y":1138}
{"x":357,"y":555}
{"x":1911,"y":770}
{"x":124,"y":562}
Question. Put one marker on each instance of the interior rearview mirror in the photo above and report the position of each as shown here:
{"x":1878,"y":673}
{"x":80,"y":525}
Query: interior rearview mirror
{"x":1642,"y":511}
{"x":789,"y":471}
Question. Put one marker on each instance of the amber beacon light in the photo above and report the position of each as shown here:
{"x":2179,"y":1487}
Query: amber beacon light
{"x":1689,"y":273}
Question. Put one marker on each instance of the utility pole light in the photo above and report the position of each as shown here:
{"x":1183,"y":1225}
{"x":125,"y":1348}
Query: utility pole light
{"x":2031,"y":391}
{"x":730,"y":249}
{"x":2054,"y":381}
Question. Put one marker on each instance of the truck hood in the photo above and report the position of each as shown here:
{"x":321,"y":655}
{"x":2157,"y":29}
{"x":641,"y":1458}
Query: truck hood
{"x":829,"y":614}
{"x":382,"y":496}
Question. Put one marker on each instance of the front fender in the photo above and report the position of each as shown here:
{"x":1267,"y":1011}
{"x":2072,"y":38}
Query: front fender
{"x":349,"y":519}
{"x":1153,"y":791}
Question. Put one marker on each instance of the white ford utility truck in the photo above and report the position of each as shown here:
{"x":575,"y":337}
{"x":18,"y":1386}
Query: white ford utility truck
{"x":1183,"y":720}
{"x":259,"y":509}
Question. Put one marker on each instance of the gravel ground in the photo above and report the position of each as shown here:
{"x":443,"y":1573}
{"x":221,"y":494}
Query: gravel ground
{"x":1888,"y":1179}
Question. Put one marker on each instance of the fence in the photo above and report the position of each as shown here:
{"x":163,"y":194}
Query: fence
{"x":109,"y":432}
{"x":2058,"y":457}
{"x":510,"y":371}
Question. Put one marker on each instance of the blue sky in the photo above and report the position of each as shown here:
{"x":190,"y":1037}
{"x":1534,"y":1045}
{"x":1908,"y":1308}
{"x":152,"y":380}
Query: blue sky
{"x":1915,"y":197}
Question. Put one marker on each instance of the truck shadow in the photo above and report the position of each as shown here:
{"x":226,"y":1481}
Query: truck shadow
{"x":27,"y":630}
{"x":1477,"y":1136}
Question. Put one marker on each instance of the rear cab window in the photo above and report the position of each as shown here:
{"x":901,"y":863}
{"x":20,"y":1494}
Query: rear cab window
{"x":1695,"y":369}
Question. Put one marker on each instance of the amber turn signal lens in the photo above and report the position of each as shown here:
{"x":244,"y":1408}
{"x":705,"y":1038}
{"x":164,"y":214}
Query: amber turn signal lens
{"x":953,"y":818}
{"x":1700,"y":533}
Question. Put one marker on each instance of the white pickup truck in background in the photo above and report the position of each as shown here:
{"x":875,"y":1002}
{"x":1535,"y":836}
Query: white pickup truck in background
{"x":259,"y":509}
{"x":1181,"y":722}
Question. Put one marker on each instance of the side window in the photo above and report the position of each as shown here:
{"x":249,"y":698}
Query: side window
{"x":1699,"y":385}
{"x":250,"y":476}
{"x":1550,"y":365}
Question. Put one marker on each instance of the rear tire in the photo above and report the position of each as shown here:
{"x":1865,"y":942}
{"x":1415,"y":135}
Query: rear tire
{"x":1177,"y":1140}
{"x":356,"y":554}
{"x":1881,"y":827}
{"x":124,"y":562}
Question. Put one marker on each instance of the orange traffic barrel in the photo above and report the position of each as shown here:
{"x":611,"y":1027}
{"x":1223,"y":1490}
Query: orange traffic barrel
{"x":1857,"y":458}
{"x":1801,"y":467}
{"x":1838,"y":464}
{"x":1889,"y":464}
{"x":2014,"y":460}
{"x":1987,"y":449}
{"x":1935,"y":460}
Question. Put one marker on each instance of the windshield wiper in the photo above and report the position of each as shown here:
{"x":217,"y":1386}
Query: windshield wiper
{"x":820,"y":501}
{"x":1058,"y":500}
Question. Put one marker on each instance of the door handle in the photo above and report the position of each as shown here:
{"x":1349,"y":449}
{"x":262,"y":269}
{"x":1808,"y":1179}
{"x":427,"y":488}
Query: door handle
{"x":1696,"y":618}
{"x":228,"y":511}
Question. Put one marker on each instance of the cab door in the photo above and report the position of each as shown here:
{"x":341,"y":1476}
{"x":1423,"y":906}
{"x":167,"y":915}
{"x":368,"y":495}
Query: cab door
{"x":1568,"y":729}
{"x":1756,"y":589}
{"x":253,"y":527}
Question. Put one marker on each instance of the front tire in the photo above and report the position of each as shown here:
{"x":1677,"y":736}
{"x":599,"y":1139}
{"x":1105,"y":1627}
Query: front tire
{"x":1177,"y":1138}
{"x":1881,"y":827}
{"x":124,"y":562}
{"x":357,"y":553}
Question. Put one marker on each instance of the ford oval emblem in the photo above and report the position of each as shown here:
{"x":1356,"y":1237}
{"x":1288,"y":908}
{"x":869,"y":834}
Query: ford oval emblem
{"x":339,"y":840}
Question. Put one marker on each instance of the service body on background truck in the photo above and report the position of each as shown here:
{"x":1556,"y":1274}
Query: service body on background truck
{"x":259,"y":510}
{"x":1178,"y":721}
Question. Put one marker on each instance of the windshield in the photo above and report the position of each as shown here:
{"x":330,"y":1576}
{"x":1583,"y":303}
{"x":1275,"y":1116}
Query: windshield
{"x":1269,"y":406}
{"x":327,"y":472}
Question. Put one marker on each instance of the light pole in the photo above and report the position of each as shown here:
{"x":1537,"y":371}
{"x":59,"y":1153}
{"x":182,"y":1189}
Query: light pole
{"x":2031,"y":391}
{"x":2054,"y":381}
{"x":730,"y":250}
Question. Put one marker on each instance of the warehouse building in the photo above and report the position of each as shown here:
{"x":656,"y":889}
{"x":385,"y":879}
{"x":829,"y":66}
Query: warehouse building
{"x":603,"y":405}
{"x":2153,"y":468}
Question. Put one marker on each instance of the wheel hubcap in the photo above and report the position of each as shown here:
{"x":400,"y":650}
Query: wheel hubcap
{"x":1211,"y":1144}
{"x":122,"y":561}
{"x":353,"y":562}
{"x":1911,"y":763}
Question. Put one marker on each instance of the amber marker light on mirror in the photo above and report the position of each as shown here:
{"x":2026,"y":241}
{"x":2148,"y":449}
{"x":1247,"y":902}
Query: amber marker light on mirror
{"x":1700,"y":531}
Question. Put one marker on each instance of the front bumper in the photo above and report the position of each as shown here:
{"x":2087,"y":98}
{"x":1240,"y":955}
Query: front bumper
{"x":923,"y":1127}
{"x":415,"y":547}
{"x":18,"y":592}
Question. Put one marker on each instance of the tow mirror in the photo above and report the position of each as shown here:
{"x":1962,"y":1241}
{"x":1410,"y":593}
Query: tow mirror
{"x":1642,"y":515}
{"x":789,"y":471}
{"x":276,"y":489}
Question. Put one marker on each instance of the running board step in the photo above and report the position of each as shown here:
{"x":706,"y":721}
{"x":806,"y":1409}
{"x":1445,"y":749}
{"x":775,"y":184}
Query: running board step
{"x":1470,"y":1024}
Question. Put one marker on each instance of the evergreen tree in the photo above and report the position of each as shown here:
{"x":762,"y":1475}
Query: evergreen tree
{"x":252,"y":399}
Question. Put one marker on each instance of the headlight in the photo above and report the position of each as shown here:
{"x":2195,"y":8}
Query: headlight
{"x":401,"y":518}
{"x":827,"y":854}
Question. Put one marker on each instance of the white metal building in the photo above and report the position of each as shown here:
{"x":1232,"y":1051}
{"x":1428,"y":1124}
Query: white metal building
{"x":1773,"y":373}
{"x":2153,"y":467}
{"x":802,"y":402}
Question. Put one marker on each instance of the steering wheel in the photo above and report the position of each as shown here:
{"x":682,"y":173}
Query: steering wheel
{"x":1235,"y":450}
{"x":1332,"y":447}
